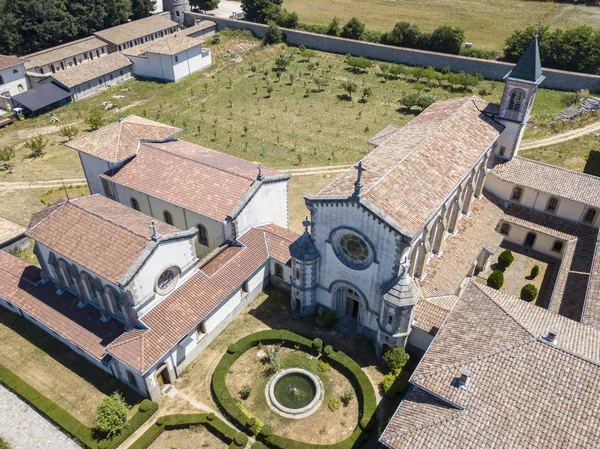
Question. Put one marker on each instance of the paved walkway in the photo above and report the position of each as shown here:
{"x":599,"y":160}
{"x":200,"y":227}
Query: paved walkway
{"x":23,"y":428}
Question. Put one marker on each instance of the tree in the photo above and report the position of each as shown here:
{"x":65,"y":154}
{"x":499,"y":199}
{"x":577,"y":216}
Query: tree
{"x":447,"y":39}
{"x":496,"y":279}
{"x":94,"y":120}
{"x":68,"y":131}
{"x":366,"y":92}
{"x":288,"y":20}
{"x":143,"y":8}
{"x":353,"y":29}
{"x":36,"y":145}
{"x":358,"y":63}
{"x":395,"y":359}
{"x":273,"y":34}
{"x":529,"y":292}
{"x":117,"y":12}
{"x":404,"y":34}
{"x":349,"y":87}
{"x":418,"y":99}
{"x":111,"y":416}
{"x":505,"y":258}
{"x":333,"y":29}
{"x":262,"y":11}
{"x":207,"y":5}
{"x":281,"y":63}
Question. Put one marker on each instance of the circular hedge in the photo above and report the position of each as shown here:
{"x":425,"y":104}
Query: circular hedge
{"x":364,"y":389}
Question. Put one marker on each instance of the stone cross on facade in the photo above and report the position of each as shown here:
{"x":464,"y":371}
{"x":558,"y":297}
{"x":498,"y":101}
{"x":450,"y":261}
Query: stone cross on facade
{"x":260,"y":175}
{"x":306,"y":224}
{"x":358,"y":184}
{"x":153,"y":227}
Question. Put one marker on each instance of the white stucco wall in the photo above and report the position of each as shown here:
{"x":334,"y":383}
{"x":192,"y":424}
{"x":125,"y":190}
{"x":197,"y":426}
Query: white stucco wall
{"x":268,"y":205}
{"x":543,"y":242}
{"x":14,"y":81}
{"x":96,"y":85}
{"x":171,"y":68}
{"x":93,"y":167}
{"x":419,"y":339}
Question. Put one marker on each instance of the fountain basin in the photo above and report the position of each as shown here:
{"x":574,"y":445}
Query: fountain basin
{"x":294,"y":393}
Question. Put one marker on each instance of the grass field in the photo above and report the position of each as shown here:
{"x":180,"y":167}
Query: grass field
{"x":582,"y":154}
{"x":486,"y":23}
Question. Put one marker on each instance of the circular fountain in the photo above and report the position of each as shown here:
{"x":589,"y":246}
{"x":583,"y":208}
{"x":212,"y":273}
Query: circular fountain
{"x":294,"y":393}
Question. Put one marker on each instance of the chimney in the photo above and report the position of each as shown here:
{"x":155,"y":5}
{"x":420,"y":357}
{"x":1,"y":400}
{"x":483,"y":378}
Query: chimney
{"x":552,"y":336}
{"x":465,"y":378}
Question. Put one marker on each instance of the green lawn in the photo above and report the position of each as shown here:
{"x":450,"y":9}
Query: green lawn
{"x":486,"y":23}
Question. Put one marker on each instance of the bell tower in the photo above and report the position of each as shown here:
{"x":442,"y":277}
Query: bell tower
{"x":521,"y":85}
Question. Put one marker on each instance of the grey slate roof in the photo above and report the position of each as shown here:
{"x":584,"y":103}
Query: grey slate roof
{"x":529,"y":66}
{"x":402,"y":291}
{"x":304,"y":248}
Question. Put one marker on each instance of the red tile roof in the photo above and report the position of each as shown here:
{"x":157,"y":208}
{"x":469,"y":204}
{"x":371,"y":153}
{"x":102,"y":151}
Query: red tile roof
{"x":411,"y":173}
{"x":99,"y":234}
{"x":10,"y":61}
{"x":591,"y":310}
{"x":190,"y":176}
{"x":83,"y":327}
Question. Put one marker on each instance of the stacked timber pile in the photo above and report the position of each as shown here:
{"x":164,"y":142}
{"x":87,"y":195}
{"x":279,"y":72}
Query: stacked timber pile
{"x":591,"y":104}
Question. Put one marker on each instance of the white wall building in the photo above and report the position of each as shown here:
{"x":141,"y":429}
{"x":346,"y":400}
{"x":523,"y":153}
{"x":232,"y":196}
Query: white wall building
{"x":13,"y":80}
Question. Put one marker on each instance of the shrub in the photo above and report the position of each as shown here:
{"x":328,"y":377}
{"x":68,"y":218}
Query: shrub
{"x":447,"y":39}
{"x":334,"y":403}
{"x":505,"y":258}
{"x":317,"y":345}
{"x":233,"y":348}
{"x":68,"y":131}
{"x":273,"y":35}
{"x":7,"y":153}
{"x":333,"y":29}
{"x":322,"y":366}
{"x":145,"y":405}
{"x":211,"y":416}
{"x":395,"y":384}
{"x":266,"y":431}
{"x":288,"y":20}
{"x":353,"y":29}
{"x":241,"y":439}
{"x":245,"y":391}
{"x":535,"y":271}
{"x":349,"y":87}
{"x":94,"y":120}
{"x":329,"y":318}
{"x":281,"y":63}
{"x":418,"y":99}
{"x":496,"y":279}
{"x":36,"y":146}
{"x":358,"y":63}
{"x":347,"y":397}
{"x":529,"y":292}
{"x":395,"y":359}
{"x":111,"y":415}
{"x":479,"y":53}
{"x":328,"y":350}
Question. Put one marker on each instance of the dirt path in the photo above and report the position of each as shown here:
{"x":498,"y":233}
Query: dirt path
{"x":563,"y":137}
{"x":8,"y":186}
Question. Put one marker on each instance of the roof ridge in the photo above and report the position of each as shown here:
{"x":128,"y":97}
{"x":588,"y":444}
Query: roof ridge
{"x":421,"y":142}
{"x":56,"y":206}
{"x":266,"y":243}
{"x":95,"y":214}
{"x":120,"y":127}
{"x":265,"y":229}
{"x":153,"y":124}
{"x":153,"y":145}
{"x":587,"y":175}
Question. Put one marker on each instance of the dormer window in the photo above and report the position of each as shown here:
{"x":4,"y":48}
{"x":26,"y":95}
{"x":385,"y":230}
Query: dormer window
{"x":517,"y":194}
{"x":516,"y":98}
{"x":552,"y":205}
{"x":590,"y":215}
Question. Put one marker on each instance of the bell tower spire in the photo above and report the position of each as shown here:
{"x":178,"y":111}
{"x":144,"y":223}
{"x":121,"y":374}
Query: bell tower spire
{"x":519,"y":92}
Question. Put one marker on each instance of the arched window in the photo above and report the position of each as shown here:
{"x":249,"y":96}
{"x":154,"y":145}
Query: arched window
{"x":168,"y":217}
{"x":202,"y":235}
{"x":552,"y":205}
{"x":245,"y":287}
{"x":134,"y":204}
{"x":517,"y":194}
{"x":1,"y":80}
{"x":20,"y":88}
{"x":557,"y":247}
{"x":590,"y":215}
{"x":278,"y":271}
{"x":15,"y":71}
{"x":505,"y":229}
{"x":516,"y":98}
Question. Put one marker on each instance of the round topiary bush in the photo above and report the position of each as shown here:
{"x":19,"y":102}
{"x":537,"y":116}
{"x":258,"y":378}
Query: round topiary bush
{"x":210,"y":416}
{"x":233,"y":348}
{"x":317,"y":344}
{"x":328,"y":350}
{"x":535,"y":271}
{"x":529,"y":292}
{"x":241,"y":439}
{"x":496,"y":279}
{"x":266,"y":430}
{"x":505,"y":258}
{"x":145,"y":405}
{"x":103,"y":444}
{"x":258,"y":445}
{"x":160,"y":421}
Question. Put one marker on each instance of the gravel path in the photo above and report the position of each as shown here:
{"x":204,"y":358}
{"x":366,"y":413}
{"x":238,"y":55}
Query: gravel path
{"x":23,"y":428}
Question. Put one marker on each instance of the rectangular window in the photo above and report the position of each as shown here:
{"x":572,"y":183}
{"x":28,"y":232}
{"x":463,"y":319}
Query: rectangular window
{"x":176,"y":59}
{"x":390,"y":319}
{"x":552,"y":204}
{"x":109,"y":189}
{"x":297,"y":274}
{"x":502,"y":150}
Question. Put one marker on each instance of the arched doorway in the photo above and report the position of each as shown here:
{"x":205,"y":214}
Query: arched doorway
{"x":347,"y":304}
{"x":530,"y":239}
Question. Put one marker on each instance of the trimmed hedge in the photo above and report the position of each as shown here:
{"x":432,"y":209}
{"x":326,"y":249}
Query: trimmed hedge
{"x":496,"y":279}
{"x":364,"y":389}
{"x":65,"y":420}
{"x":506,"y":258}
{"x":213,"y":424}
{"x":529,"y":292}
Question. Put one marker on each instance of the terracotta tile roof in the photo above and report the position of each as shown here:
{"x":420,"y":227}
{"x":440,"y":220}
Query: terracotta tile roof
{"x":190,"y":176}
{"x":524,"y":391}
{"x":591,"y":310}
{"x":568,"y":296}
{"x":202,"y":25}
{"x":550,"y":179}
{"x":546,"y":223}
{"x":410,"y":174}
{"x":186,"y":307}
{"x":279,"y":241}
{"x":99,"y":234}
{"x":119,"y":141}
{"x":64,"y":51}
{"x":91,"y":70}
{"x":138,"y":28}
{"x":83,"y":327}
{"x":9,"y":230}
{"x":10,"y":61}
{"x":446,"y":273}
{"x":170,"y":45}
{"x":384,"y":134}
{"x":430,"y":313}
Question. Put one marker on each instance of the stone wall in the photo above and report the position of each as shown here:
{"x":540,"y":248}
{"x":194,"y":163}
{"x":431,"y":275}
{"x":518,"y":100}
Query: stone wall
{"x":494,"y":70}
